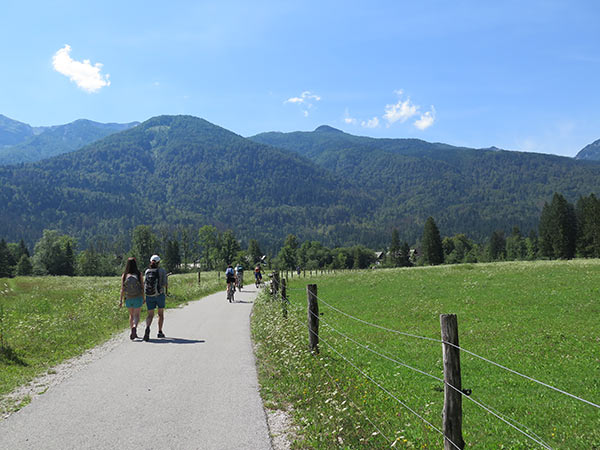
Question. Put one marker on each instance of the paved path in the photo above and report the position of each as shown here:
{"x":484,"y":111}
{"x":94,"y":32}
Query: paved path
{"x":196,"y":389}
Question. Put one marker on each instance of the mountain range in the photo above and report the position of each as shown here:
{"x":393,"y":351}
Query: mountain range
{"x":20,"y":142}
{"x":323,"y":185}
{"x":590,"y":152}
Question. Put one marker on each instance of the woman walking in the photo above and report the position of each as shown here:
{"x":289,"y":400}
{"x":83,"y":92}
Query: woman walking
{"x":131,"y":288}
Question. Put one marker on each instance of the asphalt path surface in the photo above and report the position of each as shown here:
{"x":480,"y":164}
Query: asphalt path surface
{"x":195,"y":389}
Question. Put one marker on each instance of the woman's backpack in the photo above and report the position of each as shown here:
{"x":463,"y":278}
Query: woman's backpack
{"x":132,"y":285}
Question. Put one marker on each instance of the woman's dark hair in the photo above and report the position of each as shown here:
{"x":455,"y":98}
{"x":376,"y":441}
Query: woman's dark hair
{"x":131,"y":267}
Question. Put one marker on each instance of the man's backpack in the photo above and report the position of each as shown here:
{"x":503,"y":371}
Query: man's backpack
{"x":152,"y":282}
{"x":133,"y":287}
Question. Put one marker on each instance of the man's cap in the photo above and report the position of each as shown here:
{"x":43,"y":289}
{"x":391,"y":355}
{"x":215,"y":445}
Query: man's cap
{"x":155,"y":258}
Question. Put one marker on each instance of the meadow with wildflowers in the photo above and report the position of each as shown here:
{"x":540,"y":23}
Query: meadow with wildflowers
{"x":537,"y":318}
{"x":46,"y":320}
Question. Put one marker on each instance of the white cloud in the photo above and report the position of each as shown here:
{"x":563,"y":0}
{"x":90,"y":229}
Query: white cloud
{"x":373,"y":123}
{"x":305,"y":100}
{"x":349,"y":120}
{"x":305,"y":97}
{"x":400,"y":111}
{"x":84,"y":74}
{"x":426,"y":119}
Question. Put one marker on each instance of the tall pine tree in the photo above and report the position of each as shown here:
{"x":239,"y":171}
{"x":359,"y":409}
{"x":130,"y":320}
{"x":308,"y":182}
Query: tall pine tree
{"x":558,"y":229}
{"x":433,"y":252}
{"x":395,"y":248}
{"x":6,"y":269}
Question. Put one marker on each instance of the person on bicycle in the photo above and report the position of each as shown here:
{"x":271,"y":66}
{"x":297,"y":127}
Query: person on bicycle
{"x":257,"y":275}
{"x":230,"y":276}
{"x":239,"y":275}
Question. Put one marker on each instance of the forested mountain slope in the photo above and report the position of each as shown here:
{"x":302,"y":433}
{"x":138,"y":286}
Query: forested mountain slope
{"x":173,"y":170}
{"x":40,"y":143}
{"x":13,"y":132}
{"x":474,"y":191}
{"x":179,"y":170}
{"x":590,"y":152}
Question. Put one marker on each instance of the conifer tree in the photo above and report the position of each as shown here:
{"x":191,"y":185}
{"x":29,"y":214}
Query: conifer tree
{"x":5,"y":257}
{"x":587,"y":212}
{"x":497,"y":246}
{"x":404,"y":255}
{"x":24,"y":267}
{"x":395,"y":248}
{"x":144,"y":245}
{"x":172,"y":256}
{"x":558,"y":229}
{"x":254,"y":251}
{"x":433,"y":252}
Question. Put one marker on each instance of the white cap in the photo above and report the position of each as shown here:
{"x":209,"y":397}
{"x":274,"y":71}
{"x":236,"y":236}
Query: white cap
{"x":155,"y":258}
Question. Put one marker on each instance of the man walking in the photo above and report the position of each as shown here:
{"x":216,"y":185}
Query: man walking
{"x":156,"y":285}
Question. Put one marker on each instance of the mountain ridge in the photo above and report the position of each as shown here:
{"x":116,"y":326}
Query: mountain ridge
{"x":323,"y":185}
{"x":590,"y":152}
{"x":174,"y":170}
{"x":35,"y":144}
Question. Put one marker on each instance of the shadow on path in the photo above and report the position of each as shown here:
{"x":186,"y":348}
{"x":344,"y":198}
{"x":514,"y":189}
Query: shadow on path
{"x":174,"y":340}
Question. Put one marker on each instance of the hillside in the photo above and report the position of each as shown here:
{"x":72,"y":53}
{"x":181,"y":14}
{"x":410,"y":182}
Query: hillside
{"x":13,"y":132}
{"x":590,"y":152}
{"x":324,"y":185}
{"x":179,"y":170}
{"x":472,"y":191}
{"x":40,"y":143}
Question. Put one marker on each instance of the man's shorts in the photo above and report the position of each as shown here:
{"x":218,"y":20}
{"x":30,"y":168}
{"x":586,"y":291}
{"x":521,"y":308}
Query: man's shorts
{"x":135,"y":302}
{"x":230,"y":280}
{"x":153,"y":302}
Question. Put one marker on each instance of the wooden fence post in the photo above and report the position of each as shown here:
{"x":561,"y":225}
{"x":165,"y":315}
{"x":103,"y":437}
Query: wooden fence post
{"x":284,"y":298}
{"x":275,"y":284}
{"x":199,"y":280}
{"x":452,"y":415}
{"x":313,"y":317}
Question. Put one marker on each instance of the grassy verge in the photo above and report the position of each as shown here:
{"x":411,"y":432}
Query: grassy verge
{"x":46,"y":320}
{"x":538,"y":318}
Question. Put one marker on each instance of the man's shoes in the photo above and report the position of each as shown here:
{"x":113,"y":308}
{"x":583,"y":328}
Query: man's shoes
{"x":160,"y":334}
{"x":147,"y":334}
{"x":133,"y":334}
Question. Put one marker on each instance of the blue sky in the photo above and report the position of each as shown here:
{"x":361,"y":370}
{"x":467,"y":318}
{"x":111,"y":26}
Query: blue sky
{"x":520,"y":75}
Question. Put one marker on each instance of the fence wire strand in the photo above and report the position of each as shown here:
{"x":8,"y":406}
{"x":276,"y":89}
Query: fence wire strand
{"x":381,"y":387}
{"x":489,"y":409}
{"x":463,"y":350}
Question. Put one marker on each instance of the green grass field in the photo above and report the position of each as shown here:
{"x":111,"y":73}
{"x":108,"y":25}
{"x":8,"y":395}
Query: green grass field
{"x":46,"y":320}
{"x":538,"y":318}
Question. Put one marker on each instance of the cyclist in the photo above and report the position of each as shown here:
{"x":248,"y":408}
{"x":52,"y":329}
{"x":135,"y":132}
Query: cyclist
{"x":257,"y":275}
{"x":239,"y":276}
{"x":230,"y":276}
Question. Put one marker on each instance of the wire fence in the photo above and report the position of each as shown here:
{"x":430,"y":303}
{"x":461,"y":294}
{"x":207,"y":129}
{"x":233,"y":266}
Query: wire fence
{"x":369,"y":347}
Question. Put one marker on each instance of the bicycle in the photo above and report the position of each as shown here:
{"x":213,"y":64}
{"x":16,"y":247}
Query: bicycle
{"x":239,"y":282}
{"x":230,"y":292}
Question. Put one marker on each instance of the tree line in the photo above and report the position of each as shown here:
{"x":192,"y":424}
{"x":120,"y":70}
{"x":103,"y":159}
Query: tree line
{"x":565,"y":231}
